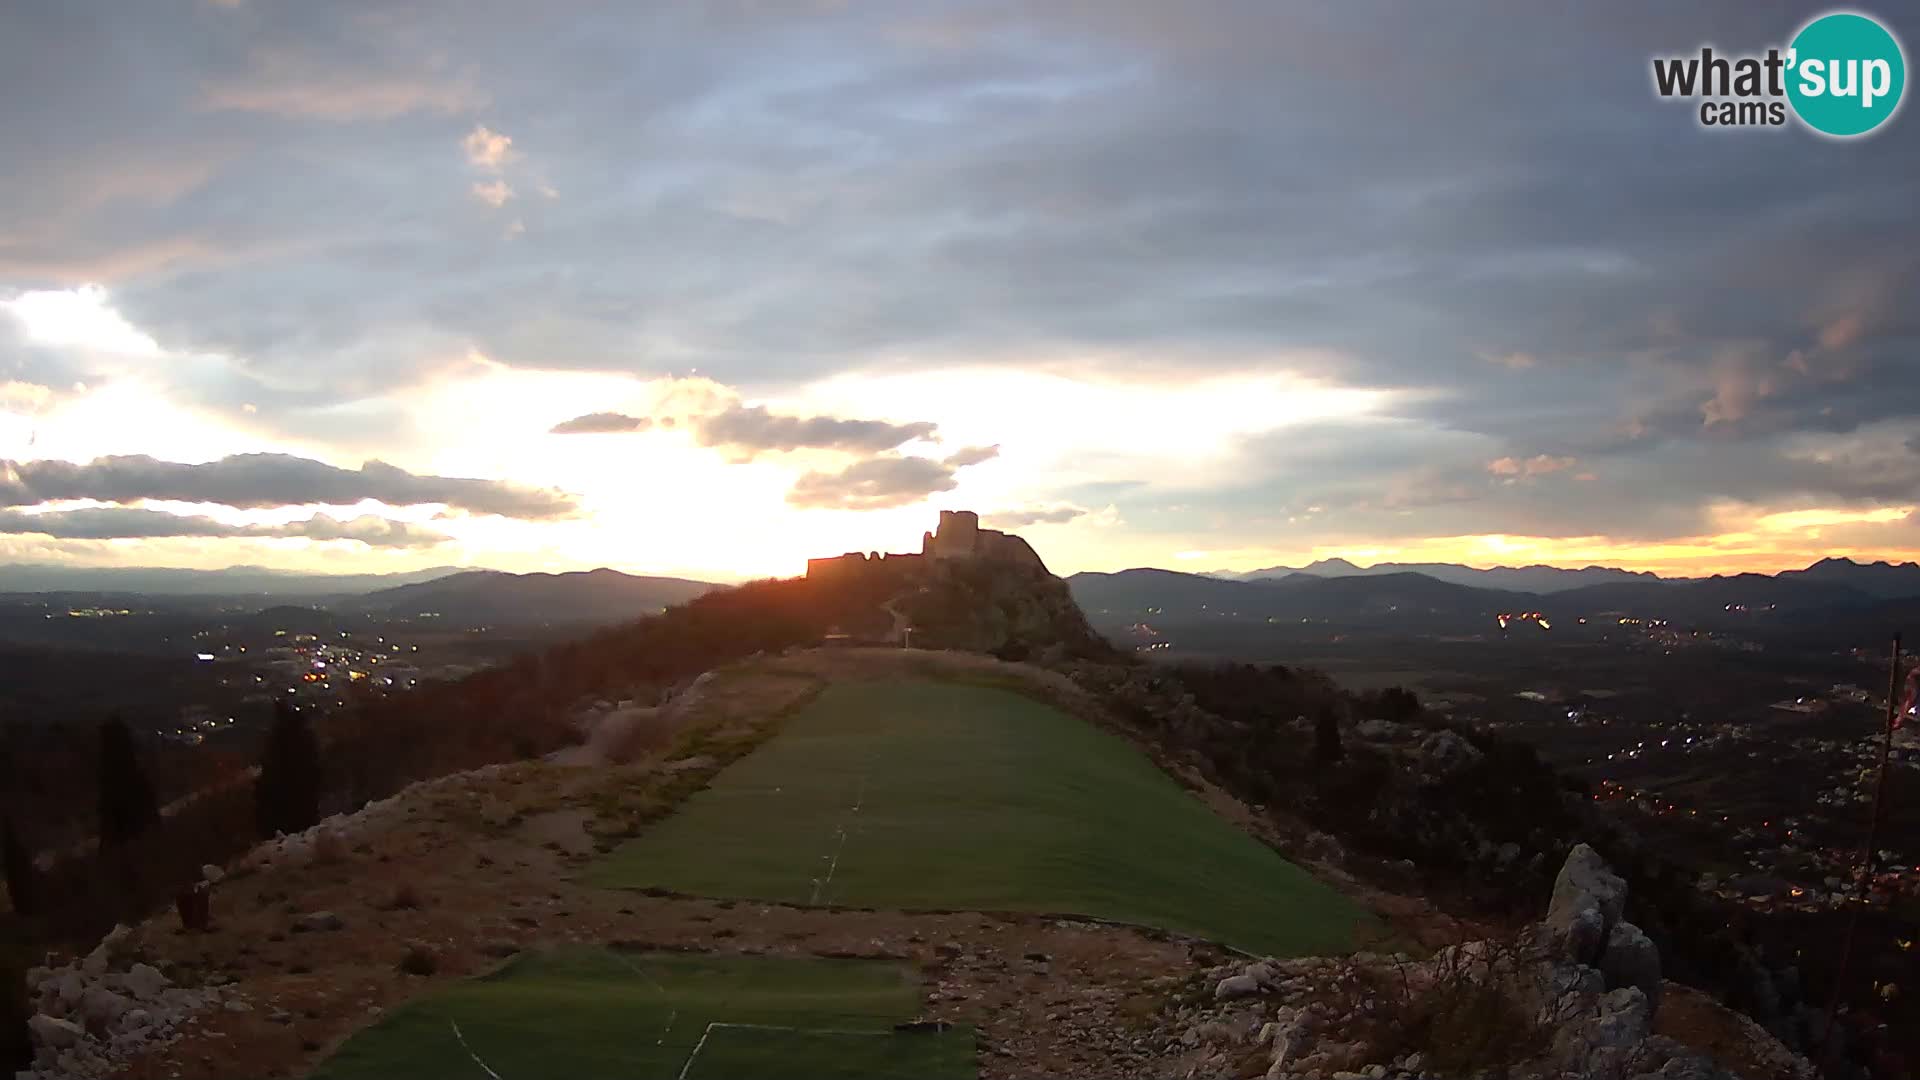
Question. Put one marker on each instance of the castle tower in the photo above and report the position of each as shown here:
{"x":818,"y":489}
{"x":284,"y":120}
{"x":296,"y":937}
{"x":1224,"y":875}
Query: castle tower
{"x":958,"y":535}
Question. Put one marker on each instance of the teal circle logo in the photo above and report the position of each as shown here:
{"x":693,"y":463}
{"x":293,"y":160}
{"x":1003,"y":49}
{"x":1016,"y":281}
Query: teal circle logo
{"x":1846,"y":74}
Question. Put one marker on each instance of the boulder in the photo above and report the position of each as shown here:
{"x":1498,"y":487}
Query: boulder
{"x":1268,"y":973}
{"x":67,"y":989}
{"x":101,"y":1007}
{"x":144,"y":982}
{"x":116,"y":944}
{"x":1604,"y":1040}
{"x":1236,"y":986}
{"x":1629,"y":958}
{"x":1379,"y":730}
{"x":1585,"y":881}
{"x":1448,"y":752}
{"x":1577,"y":935}
{"x":318,"y":922}
{"x":56,"y":1033}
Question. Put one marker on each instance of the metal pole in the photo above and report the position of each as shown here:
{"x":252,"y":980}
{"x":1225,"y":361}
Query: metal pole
{"x":1867,"y":853}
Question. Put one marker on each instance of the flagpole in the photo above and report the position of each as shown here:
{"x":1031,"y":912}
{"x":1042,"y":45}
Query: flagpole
{"x":1867,"y":854}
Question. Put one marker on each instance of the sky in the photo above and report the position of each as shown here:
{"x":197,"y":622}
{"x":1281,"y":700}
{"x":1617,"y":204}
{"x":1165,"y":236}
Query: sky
{"x":707,"y":289}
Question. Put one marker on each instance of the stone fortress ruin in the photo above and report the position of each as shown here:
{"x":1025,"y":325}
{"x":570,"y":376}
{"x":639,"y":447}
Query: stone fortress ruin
{"x":958,"y":536}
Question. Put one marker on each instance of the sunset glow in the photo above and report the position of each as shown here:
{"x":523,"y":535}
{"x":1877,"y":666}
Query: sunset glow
{"x":1060,"y":284}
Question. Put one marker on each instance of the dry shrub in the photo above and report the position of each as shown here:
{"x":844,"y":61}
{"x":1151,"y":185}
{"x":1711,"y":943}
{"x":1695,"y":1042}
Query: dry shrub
{"x":419,"y":959}
{"x":1462,"y":1011}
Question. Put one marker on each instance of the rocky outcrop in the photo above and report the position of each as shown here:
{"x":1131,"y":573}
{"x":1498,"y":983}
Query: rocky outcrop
{"x":1004,"y":608}
{"x":1629,"y":958}
{"x":1586,"y":883}
{"x":107,"y":1006}
{"x":1572,"y":997}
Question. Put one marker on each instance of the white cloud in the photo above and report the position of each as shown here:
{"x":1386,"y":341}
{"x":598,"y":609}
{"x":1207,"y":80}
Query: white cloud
{"x":1537,"y":465}
{"x":487,"y":149}
{"x":78,"y":319}
{"x":494,"y":193}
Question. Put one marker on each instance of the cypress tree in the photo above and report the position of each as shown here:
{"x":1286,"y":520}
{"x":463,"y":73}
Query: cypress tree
{"x":16,"y":1040}
{"x":19,"y":869}
{"x":286,"y":797}
{"x":128,"y":806}
{"x":1326,"y":737}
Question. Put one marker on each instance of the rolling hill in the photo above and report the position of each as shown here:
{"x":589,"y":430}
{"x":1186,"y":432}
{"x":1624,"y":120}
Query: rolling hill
{"x":491,"y":596}
{"x":1407,"y":598}
{"x":1533,"y":579}
{"x":1883,"y":580}
{"x":1148,"y":594}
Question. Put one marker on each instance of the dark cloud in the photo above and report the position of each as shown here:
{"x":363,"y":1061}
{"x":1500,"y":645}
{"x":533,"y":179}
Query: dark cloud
{"x":123,"y":523}
{"x":1397,"y":194}
{"x":753,"y":428}
{"x":601,"y":423}
{"x":266,"y":480}
{"x":874,"y":484}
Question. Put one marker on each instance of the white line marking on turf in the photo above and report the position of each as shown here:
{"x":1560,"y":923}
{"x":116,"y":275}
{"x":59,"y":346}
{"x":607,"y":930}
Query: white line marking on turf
{"x":476,"y":1057}
{"x":697,"y":1047}
{"x":711,"y":1028}
{"x":672,"y":1014}
{"x":840,"y":843}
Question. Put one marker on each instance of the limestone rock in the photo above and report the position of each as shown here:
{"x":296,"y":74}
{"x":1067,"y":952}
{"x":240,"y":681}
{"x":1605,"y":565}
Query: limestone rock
{"x":1379,"y":730}
{"x":101,"y":1008}
{"x":1585,"y":881}
{"x":1236,"y":986}
{"x":1629,"y":958}
{"x":1578,"y":935}
{"x":54,"y":1032}
{"x":1447,"y":752}
{"x":144,"y":982}
{"x":318,"y":922}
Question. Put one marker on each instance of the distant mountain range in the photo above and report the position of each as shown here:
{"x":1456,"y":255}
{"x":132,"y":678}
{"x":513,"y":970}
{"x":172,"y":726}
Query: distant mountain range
{"x":1534,"y":579}
{"x":1887,"y":581}
{"x":232,"y":581}
{"x":492,"y":596}
{"x":462,"y":597}
{"x":1325,"y":591}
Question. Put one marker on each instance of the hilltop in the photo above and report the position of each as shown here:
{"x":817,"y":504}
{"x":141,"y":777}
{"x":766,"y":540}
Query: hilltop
{"x":777,"y":817}
{"x":480,"y":596}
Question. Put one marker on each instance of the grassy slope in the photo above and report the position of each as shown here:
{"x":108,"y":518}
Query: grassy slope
{"x":594,"y":1014}
{"x":977,"y":799}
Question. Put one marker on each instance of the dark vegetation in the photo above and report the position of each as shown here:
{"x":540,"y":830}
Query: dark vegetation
{"x":128,"y":806}
{"x":286,"y":797}
{"x":22,"y":883}
{"x":16,"y":1041}
{"x":1248,"y":725}
{"x":518,"y":710}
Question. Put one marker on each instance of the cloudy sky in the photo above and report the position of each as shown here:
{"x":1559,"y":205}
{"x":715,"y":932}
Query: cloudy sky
{"x":705,"y":289}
